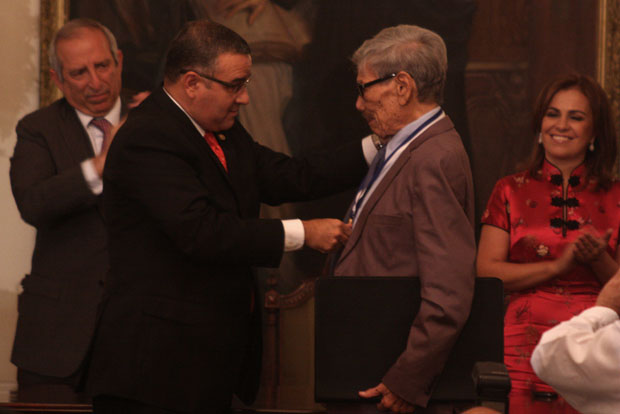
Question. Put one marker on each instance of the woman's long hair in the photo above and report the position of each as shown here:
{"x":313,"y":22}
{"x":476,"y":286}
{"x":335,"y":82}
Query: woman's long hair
{"x":600,"y":162}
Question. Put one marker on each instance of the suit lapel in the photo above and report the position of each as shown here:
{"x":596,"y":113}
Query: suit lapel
{"x":214,"y":157}
{"x":189,"y":131}
{"x":239,"y":159}
{"x":73,"y":135}
{"x":439,"y":127}
{"x":75,"y":141}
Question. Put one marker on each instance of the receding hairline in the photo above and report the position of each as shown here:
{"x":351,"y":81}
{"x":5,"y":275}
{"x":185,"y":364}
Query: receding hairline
{"x":81,"y":32}
{"x":72,"y":30}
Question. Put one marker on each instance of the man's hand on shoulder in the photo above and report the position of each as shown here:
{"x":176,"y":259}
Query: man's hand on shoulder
{"x":137,"y":99}
{"x":389,"y":401}
{"x":326,"y":235}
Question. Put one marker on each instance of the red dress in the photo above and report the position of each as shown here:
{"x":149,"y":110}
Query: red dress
{"x":542,"y":221}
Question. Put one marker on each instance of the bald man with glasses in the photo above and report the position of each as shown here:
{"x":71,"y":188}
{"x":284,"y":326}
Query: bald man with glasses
{"x":180,"y":328}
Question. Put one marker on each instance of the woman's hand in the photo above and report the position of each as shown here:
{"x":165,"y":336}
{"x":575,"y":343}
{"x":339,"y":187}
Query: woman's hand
{"x":591,"y":250}
{"x":590,"y":247}
{"x":493,"y":261}
{"x":566,"y":261}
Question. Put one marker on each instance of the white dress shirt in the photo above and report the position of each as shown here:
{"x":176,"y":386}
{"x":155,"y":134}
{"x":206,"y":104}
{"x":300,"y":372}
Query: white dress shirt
{"x":95,"y":183}
{"x":580,"y":358}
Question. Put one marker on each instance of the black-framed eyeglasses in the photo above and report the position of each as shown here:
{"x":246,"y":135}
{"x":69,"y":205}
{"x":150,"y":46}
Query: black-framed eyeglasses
{"x":361,"y":87}
{"x":233,"y":87}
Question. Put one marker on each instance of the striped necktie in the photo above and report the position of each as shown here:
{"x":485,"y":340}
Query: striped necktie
{"x":105,"y":127}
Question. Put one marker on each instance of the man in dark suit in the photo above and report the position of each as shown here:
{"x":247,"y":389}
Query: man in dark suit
{"x":180,"y":329}
{"x":56,"y":180}
{"x":413,"y":214}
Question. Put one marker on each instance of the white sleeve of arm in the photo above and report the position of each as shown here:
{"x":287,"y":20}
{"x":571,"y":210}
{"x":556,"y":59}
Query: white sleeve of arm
{"x":95,"y":183}
{"x":580,"y":359}
{"x":294,"y":235}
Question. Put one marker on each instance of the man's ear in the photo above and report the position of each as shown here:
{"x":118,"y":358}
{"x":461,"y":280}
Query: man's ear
{"x":406,"y":88}
{"x":119,"y":59}
{"x":56,"y":79}
{"x":190,"y":82}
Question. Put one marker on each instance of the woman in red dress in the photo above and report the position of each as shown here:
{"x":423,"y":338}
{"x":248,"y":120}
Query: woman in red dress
{"x":551,"y":232}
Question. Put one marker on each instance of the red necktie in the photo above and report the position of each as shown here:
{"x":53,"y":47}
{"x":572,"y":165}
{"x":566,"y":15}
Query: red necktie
{"x":215,"y":147}
{"x":105,"y":127}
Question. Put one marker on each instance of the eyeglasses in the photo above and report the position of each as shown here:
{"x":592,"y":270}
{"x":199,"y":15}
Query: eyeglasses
{"x":361,"y":87}
{"x":233,"y":87}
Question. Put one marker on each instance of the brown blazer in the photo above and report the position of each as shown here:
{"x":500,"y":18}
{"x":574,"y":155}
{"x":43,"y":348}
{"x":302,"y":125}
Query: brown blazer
{"x":419,"y":222}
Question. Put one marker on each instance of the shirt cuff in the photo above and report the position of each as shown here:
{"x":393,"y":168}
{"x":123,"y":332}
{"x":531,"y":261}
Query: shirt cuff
{"x":94,"y":182}
{"x":294,"y":235}
{"x":599,"y":316}
{"x":369,"y":149}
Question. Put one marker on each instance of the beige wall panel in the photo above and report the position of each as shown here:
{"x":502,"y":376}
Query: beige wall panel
{"x":19,"y":76}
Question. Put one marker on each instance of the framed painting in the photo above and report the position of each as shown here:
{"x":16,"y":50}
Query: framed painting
{"x":335,"y":85}
{"x":53,"y":14}
{"x":609,"y":54}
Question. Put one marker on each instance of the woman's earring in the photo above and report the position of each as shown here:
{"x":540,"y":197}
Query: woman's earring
{"x":591,"y":147}
{"x":540,"y":137}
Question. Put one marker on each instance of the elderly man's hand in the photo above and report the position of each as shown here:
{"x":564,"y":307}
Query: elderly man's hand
{"x":389,"y":401}
{"x":326,"y":235}
{"x":610,"y":294}
{"x":137,"y":99}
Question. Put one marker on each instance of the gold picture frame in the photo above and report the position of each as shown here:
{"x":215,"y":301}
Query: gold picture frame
{"x":608,"y":55}
{"x":53,"y":13}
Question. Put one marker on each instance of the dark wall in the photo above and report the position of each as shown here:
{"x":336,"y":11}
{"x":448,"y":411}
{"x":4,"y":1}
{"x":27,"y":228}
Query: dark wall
{"x":515,"y":48}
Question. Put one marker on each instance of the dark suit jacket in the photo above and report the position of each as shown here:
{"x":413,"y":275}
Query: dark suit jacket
{"x":60,"y":295}
{"x":419,"y":222}
{"x":179,"y":329}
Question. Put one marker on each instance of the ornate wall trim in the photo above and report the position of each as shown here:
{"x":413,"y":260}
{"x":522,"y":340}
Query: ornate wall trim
{"x":609,"y":56}
{"x":53,"y":15}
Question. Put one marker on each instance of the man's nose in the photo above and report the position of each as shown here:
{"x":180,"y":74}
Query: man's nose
{"x":243,"y":98}
{"x":94,"y":80}
{"x":359,"y":103}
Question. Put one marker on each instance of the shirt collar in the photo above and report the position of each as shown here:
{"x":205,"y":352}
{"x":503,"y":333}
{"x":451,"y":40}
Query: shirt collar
{"x":402,"y":135}
{"x":198,"y":127}
{"x":548,"y":169}
{"x":553,"y":174}
{"x":113,"y":117}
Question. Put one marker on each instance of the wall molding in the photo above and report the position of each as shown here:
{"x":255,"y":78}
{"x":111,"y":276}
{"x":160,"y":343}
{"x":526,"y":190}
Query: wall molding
{"x":609,"y":54}
{"x":54,"y":14}
{"x":7,"y":389}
